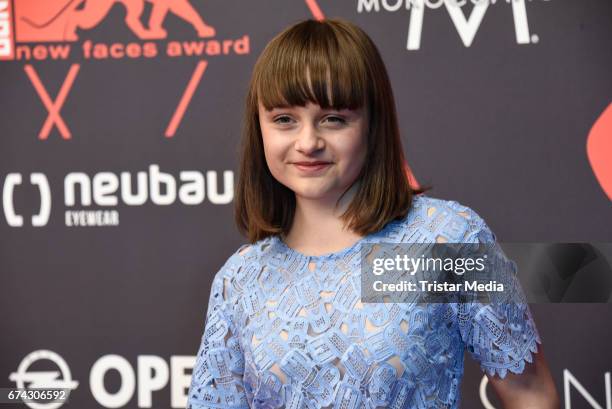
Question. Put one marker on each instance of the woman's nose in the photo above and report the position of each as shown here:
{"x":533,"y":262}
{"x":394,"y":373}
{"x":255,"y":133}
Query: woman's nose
{"x":309,"y":140}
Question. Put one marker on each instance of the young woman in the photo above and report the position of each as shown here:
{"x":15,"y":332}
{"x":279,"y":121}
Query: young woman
{"x":323,"y":172}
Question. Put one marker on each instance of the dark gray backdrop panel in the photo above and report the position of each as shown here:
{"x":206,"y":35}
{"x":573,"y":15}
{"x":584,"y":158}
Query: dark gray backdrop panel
{"x":498,"y":126}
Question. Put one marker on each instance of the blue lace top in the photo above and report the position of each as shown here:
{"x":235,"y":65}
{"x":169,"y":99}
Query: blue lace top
{"x":288,"y":330}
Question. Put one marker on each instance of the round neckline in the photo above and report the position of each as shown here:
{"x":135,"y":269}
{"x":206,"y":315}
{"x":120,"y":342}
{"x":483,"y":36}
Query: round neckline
{"x":339,"y":253}
{"x":343,"y":252}
{"x":333,"y":254}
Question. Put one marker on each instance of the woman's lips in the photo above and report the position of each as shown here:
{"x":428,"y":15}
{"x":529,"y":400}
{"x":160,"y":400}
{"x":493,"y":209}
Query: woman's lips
{"x":311,"y":167}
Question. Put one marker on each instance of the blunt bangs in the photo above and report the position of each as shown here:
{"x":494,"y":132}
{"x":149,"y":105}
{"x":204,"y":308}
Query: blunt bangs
{"x":313,"y":63}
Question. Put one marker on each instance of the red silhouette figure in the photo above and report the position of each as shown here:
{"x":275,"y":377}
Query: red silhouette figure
{"x":45,"y":21}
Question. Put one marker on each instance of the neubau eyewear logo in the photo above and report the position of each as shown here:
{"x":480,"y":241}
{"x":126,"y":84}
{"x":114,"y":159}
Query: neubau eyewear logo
{"x":467,"y":26}
{"x":93,"y":200}
{"x":10,"y":183}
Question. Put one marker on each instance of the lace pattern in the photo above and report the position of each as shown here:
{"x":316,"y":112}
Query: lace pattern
{"x":288,"y":330}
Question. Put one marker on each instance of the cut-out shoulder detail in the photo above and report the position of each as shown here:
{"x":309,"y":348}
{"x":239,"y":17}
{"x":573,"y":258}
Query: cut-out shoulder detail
{"x":288,"y":330}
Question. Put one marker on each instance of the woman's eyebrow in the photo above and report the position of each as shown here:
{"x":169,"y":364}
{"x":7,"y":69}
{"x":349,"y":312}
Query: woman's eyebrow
{"x":272,"y":111}
{"x":348,"y":111}
{"x":345,"y":111}
{"x":276,"y":109}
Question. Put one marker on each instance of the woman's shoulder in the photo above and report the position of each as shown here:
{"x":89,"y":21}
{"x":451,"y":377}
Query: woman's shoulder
{"x":239,"y":270}
{"x":246,"y":257}
{"x":444,"y":220}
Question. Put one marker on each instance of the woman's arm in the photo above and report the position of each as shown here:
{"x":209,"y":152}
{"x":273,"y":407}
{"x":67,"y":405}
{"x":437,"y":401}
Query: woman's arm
{"x":523,"y":381}
{"x":532,"y":389}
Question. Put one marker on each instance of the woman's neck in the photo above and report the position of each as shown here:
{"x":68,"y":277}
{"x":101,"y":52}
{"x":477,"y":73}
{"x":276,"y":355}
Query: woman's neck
{"x":317,"y":227}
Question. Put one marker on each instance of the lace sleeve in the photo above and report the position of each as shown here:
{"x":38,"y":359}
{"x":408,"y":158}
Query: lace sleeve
{"x":217,"y":375}
{"x":501,"y":334}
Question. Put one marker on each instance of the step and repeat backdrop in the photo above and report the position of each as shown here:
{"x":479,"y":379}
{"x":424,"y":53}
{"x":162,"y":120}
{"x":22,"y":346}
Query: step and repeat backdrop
{"x":119,"y":131}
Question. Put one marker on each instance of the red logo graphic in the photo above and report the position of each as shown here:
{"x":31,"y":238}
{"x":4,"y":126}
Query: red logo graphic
{"x":314,"y":9}
{"x":66,"y":21}
{"x":599,"y":150}
{"x":59,"y":20}
{"x":53,"y":106}
{"x":7,"y":44}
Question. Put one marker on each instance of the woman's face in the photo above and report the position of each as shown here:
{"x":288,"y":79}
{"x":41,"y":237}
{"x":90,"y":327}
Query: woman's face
{"x":317,"y":153}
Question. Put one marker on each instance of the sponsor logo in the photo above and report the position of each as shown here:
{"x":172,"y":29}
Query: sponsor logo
{"x":466,"y":26}
{"x":24,"y":378}
{"x":6,"y":32}
{"x":570,"y":382}
{"x":58,"y":30}
{"x":152,"y":374}
{"x":599,"y":150}
{"x":65,"y":22}
{"x":58,"y":20}
{"x":13,"y":180}
{"x":109,"y":190}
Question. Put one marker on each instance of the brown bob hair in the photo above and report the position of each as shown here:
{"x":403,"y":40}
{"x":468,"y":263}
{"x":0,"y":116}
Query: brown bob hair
{"x":340,"y":59}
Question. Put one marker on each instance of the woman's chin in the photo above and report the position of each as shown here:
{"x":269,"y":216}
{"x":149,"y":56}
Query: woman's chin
{"x":313,"y":193}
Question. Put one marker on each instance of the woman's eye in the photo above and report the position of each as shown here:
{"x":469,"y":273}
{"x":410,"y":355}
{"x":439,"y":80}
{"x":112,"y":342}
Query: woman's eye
{"x":336,"y":119}
{"x":286,"y":120}
{"x":282,"y":120}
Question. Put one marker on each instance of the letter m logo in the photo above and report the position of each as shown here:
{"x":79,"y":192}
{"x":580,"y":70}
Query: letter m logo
{"x":467,"y":26}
